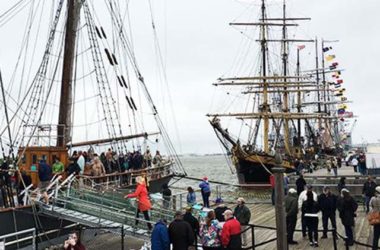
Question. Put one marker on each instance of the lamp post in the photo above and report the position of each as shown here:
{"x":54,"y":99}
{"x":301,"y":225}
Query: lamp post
{"x":278,"y":172}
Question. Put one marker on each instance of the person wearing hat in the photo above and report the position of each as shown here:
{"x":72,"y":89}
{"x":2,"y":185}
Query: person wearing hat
{"x":160,"y":236}
{"x":180,"y":233}
{"x":347,"y":207}
{"x":220,"y":209}
{"x":205,"y":191}
{"x":301,"y":198}
{"x":243,"y":215}
{"x":141,"y":195}
{"x":291,"y":209}
{"x":327,"y":203}
{"x":231,"y":232}
{"x":194,"y":223}
{"x":375,"y":207}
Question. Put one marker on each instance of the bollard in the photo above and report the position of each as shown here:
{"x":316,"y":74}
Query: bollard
{"x":278,"y":172}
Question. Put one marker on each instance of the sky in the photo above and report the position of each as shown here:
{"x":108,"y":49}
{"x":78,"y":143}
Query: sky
{"x":199,"y":46}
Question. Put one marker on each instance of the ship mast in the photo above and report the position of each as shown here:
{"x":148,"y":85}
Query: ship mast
{"x":317,"y":79}
{"x":65,"y":105}
{"x":298,"y":99}
{"x":285,"y":69}
{"x":265,"y":85}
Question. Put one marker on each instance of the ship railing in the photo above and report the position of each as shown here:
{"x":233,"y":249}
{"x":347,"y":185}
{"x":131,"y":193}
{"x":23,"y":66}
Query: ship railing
{"x":127,"y":178}
{"x":56,"y":184}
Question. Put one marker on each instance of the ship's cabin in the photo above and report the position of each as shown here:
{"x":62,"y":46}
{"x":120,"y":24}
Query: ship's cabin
{"x":31,"y":156}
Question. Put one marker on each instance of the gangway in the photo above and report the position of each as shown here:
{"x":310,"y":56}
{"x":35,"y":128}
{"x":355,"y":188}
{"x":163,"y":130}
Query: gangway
{"x":97,"y":207}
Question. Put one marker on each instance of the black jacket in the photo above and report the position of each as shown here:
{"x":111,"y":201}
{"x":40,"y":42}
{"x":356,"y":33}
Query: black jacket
{"x":242,"y":214}
{"x":291,"y":204}
{"x":310,"y":208}
{"x":327,"y":203}
{"x":189,"y":218}
{"x":219,"y":213}
{"x":369,"y":189}
{"x":347,"y":209}
{"x":73,"y":168}
{"x":181,"y":234}
{"x":300,"y":183}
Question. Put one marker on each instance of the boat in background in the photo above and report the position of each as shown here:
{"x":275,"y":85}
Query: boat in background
{"x":280,"y":107}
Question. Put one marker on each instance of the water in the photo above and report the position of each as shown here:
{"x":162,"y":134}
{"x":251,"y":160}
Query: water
{"x":216,"y":168}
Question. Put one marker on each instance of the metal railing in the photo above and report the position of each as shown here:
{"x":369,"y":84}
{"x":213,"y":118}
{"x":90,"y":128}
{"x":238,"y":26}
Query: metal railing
{"x":31,"y":231}
{"x":127,"y":178}
{"x":252,"y":227}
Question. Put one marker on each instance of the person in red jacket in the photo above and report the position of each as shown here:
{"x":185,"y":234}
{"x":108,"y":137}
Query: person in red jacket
{"x":141,"y":195}
{"x":230,"y":236}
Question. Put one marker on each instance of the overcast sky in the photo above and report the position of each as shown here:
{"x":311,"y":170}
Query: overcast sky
{"x":199,"y":46}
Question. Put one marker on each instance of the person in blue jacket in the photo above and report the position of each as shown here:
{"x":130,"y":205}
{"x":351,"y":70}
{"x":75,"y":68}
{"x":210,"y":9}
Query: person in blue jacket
{"x":206,"y":191}
{"x":160,"y":236}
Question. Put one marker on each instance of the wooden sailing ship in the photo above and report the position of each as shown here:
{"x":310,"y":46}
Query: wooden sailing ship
{"x":276,"y":107}
{"x":80,"y":48}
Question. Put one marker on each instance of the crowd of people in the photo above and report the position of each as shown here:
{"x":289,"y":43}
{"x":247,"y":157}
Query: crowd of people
{"x":91,"y":164}
{"x":219,"y":229}
{"x":310,"y":204}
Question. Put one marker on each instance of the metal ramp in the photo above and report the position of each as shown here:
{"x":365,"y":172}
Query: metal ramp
{"x":93,"y":221}
{"x":73,"y":201}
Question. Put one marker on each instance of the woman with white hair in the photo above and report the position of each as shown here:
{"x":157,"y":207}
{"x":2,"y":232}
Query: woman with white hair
{"x":374,"y":205}
{"x":141,"y":195}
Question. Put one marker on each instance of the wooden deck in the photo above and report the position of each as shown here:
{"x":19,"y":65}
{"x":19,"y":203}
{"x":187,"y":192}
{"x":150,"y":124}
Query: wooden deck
{"x":343,"y":171}
{"x":264,"y":214}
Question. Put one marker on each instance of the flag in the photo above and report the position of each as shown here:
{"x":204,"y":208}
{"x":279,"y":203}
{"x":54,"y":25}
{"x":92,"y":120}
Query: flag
{"x":330,"y":57}
{"x":299,"y":47}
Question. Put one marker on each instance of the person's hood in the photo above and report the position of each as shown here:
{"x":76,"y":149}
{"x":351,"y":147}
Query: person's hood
{"x":293,"y":195}
{"x":160,"y":223}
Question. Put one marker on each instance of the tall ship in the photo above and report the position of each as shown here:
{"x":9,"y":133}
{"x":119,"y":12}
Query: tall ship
{"x":272,"y":103}
{"x":86,"y":91}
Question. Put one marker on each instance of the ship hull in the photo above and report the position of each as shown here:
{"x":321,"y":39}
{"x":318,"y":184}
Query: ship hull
{"x":255,"y":168}
{"x":155,"y":186}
